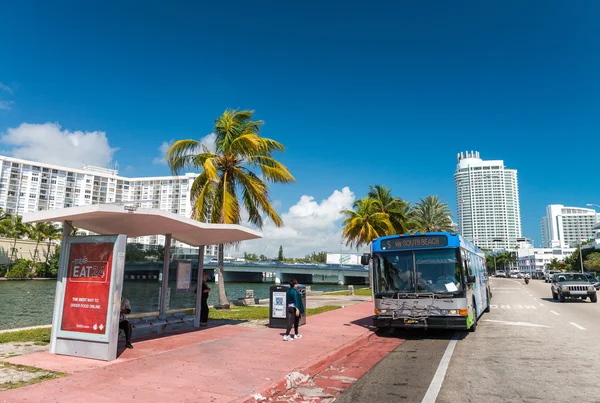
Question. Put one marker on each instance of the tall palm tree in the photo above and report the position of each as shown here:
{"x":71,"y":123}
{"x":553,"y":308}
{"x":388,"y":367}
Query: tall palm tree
{"x":14,"y":227}
{"x":38,"y":234}
{"x":398,"y":211}
{"x":51,"y":233}
{"x":365,"y":223}
{"x":431,"y":214}
{"x":228,"y":176}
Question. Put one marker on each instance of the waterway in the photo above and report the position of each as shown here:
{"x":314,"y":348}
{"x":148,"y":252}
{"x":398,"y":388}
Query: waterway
{"x":31,"y":302}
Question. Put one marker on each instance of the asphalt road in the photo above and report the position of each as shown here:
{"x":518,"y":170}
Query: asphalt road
{"x":529,"y":348}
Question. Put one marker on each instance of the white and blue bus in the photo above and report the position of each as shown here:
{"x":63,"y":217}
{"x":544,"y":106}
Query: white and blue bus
{"x":428,"y":280}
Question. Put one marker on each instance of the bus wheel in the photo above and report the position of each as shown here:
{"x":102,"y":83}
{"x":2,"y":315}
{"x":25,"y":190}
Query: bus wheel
{"x":474,"y":324}
{"x":487,"y":308}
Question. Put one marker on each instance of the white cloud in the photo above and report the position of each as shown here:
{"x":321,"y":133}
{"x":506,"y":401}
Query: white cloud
{"x":51,"y":144}
{"x":309,"y":226}
{"x":6,"y":105}
{"x":208,"y":140}
{"x":5,"y":88}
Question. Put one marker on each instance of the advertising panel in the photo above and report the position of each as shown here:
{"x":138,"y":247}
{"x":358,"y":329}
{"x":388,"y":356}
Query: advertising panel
{"x":279,"y":305}
{"x":184,"y":276}
{"x":350,"y":259}
{"x":87,"y":287}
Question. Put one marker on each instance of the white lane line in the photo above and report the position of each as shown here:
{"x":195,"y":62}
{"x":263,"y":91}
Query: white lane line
{"x":577,"y":326}
{"x":440,"y":373}
{"x":541,"y":304}
{"x":556,"y":313}
{"x":515,"y":323}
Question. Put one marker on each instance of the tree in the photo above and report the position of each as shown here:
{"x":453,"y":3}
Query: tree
{"x":51,"y":233}
{"x":432,"y":215}
{"x":592,"y":262}
{"x":280,"y":254}
{"x":365,"y":223}
{"x":13,"y":227}
{"x":38,"y":235}
{"x":250,"y":257}
{"x":228,"y":176}
{"x":398,"y":211}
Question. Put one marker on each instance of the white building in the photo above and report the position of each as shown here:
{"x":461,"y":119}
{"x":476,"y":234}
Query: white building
{"x":567,"y":226}
{"x":536,"y":260}
{"x":487,"y":199}
{"x":27,"y":186}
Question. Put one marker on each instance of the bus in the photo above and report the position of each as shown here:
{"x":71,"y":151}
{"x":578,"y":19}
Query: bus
{"x":427,"y":280}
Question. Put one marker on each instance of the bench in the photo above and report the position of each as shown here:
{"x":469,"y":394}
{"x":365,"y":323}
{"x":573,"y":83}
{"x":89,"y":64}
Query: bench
{"x":154,"y":322}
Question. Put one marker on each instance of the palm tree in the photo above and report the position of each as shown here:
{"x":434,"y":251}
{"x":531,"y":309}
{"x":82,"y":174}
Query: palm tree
{"x":398,"y":211}
{"x":14,"y":227}
{"x":228,"y":178}
{"x":38,"y":234}
{"x":431,"y":215}
{"x":365,"y":223}
{"x":51,"y":233}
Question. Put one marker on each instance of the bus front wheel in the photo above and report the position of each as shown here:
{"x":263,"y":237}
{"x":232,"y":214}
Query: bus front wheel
{"x":473,"y":327}
{"x":487,"y":308}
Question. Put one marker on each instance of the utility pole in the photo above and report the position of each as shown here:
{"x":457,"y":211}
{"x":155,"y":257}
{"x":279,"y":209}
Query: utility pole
{"x":581,"y":257}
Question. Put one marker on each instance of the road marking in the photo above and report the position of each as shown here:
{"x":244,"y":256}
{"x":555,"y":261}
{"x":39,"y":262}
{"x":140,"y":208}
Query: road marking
{"x":577,"y":326}
{"x":515,"y":323}
{"x":556,"y":313}
{"x":541,"y":304}
{"x":503,"y":306}
{"x":440,"y":373}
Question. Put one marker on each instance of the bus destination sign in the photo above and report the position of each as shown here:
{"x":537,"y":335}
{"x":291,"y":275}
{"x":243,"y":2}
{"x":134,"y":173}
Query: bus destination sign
{"x":414,"y":242}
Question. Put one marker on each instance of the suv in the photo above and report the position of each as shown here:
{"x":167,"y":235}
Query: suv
{"x":572,"y":285}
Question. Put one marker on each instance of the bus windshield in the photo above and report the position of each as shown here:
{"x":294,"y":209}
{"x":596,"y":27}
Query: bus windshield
{"x":422,"y":271}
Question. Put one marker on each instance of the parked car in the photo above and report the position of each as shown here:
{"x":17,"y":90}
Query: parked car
{"x":500,"y":273}
{"x":548,"y":275}
{"x":572,"y":285}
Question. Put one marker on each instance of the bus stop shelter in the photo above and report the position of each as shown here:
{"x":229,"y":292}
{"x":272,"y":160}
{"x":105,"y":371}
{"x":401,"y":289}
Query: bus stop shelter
{"x":129,"y":221}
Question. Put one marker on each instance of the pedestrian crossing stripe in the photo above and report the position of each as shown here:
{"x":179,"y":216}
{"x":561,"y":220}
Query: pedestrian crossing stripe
{"x":506,"y":306}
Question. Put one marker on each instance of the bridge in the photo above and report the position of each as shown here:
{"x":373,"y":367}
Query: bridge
{"x":250,"y":272}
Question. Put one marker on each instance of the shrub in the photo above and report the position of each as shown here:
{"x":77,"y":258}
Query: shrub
{"x":22,"y":268}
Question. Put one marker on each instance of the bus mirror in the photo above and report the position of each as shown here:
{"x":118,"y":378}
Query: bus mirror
{"x":470,"y":279}
{"x":364,"y":260}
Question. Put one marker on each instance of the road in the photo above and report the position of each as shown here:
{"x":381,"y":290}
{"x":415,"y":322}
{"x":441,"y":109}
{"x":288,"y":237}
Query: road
{"x":529,"y":348}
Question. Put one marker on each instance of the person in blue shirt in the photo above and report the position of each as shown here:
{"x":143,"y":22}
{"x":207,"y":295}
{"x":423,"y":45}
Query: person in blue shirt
{"x":295,"y":309}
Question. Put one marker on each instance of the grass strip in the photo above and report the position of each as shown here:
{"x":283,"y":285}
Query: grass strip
{"x":258,"y":312}
{"x":365,"y":292}
{"x":39,"y":337}
{"x":45,"y":375}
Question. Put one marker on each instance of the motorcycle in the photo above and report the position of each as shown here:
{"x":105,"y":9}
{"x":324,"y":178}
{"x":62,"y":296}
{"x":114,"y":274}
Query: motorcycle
{"x":526,"y":280}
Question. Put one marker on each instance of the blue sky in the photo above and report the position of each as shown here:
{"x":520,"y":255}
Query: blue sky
{"x":366,"y":93}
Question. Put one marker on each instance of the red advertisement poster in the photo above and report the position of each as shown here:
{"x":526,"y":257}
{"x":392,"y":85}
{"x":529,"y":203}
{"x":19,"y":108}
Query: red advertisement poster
{"x":87,"y":287}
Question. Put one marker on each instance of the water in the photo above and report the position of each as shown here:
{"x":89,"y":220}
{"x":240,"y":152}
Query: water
{"x":31,"y":303}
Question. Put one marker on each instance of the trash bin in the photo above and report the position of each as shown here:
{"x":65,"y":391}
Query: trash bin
{"x":278,"y":305}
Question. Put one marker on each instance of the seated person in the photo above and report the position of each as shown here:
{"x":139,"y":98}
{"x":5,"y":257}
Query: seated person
{"x":124,"y":323}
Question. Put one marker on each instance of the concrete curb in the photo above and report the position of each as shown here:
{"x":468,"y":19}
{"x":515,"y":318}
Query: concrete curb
{"x":309,"y":371}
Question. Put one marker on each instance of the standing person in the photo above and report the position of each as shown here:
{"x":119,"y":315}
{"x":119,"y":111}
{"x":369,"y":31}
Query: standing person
{"x":124,"y":323}
{"x":295,"y":309}
{"x":204,"y":305}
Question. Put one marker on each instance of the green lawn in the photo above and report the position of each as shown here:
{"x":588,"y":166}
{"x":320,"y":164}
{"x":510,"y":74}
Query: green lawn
{"x":360,"y":291}
{"x":258,"y":312}
{"x":39,"y":337}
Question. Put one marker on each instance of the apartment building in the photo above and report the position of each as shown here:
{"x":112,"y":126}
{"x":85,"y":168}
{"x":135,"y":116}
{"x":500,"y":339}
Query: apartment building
{"x":27,"y":186}
{"x":487,"y":199}
{"x":568,"y":226}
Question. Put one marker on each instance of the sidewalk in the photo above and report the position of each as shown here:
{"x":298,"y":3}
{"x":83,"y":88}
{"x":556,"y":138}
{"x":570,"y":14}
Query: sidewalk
{"x":218,"y":364}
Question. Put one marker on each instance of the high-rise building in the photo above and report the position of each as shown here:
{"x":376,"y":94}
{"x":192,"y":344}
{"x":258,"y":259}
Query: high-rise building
{"x":27,"y":186}
{"x":567,"y":226}
{"x":487,"y":199}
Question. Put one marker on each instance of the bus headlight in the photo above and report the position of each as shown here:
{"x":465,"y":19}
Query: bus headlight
{"x":378,"y":311}
{"x":445,"y":312}
{"x":453,"y":312}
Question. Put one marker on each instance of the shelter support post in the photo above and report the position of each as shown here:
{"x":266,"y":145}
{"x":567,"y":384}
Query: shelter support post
{"x":165,"y":278}
{"x":199,"y":286}
{"x":67,"y":227}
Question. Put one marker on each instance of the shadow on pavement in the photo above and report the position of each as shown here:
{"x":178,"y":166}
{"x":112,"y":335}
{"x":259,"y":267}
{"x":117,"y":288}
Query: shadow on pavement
{"x":567,"y":301}
{"x":421,"y":334}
